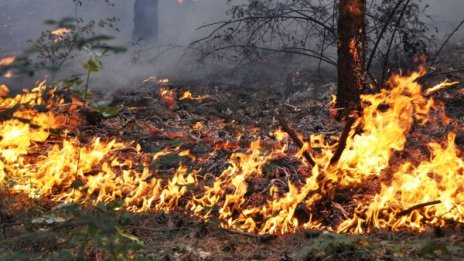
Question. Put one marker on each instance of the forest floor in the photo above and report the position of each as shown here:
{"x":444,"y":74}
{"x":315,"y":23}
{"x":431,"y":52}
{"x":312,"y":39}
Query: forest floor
{"x":226,"y":112}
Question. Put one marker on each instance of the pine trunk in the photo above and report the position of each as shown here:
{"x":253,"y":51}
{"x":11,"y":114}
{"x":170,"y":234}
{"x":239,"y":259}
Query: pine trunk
{"x":351,"y":55}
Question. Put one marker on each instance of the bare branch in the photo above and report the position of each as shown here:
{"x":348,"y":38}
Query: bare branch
{"x":391,"y":40}
{"x":382,"y":32}
{"x":295,"y":138}
{"x":445,"y":42}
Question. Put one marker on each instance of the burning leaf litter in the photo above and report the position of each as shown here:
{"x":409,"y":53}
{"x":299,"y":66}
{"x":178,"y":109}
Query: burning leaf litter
{"x":420,"y":192}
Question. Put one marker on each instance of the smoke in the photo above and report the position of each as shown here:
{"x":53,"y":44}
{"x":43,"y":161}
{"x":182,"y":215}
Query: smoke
{"x":23,"y":20}
{"x":445,"y":15}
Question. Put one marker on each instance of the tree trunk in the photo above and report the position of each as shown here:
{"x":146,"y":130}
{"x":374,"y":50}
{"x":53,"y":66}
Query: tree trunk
{"x":145,"y":22}
{"x":351,"y":55}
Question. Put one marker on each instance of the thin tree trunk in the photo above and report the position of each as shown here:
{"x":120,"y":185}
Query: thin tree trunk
{"x":351,"y":55}
{"x":145,"y":22}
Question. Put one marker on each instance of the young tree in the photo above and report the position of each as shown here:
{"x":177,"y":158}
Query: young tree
{"x":145,"y":22}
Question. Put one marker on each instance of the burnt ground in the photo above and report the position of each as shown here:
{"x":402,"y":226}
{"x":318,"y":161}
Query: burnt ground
{"x":228,"y":112}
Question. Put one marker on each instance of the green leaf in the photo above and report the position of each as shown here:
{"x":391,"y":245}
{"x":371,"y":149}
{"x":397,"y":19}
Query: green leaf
{"x":114,"y":49}
{"x":105,"y":110}
{"x":102,"y":207}
{"x":114,"y":204}
{"x":75,"y":81}
{"x":125,"y":218}
{"x":431,"y":247}
{"x":93,"y":65}
{"x":82,"y":94}
{"x":129,"y":236}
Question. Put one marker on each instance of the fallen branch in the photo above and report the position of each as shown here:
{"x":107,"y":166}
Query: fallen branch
{"x":439,"y":87}
{"x":417,"y":207}
{"x":292,"y":134}
{"x":432,"y":61}
{"x":342,"y":142}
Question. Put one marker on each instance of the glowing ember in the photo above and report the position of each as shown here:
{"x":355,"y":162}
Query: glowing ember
{"x":421,"y":191}
{"x":168,"y":97}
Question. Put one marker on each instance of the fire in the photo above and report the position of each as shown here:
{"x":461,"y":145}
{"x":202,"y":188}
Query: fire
{"x":189,"y":96}
{"x":4,"y":91}
{"x":168,"y":97}
{"x":61,"y":31}
{"x":8,"y":74}
{"x":421,"y":191}
{"x":435,"y":184}
{"x":440,"y":86}
{"x":7,"y":60}
{"x":163,"y":81}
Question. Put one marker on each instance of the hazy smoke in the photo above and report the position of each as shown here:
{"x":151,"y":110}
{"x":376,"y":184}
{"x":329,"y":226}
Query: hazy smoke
{"x":22,"y":20}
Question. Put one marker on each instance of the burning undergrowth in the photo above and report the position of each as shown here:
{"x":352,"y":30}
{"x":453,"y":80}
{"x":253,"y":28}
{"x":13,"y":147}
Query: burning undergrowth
{"x":394,"y":172}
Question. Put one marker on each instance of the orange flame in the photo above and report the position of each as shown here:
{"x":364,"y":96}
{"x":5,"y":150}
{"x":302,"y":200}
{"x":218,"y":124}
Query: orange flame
{"x":97,"y":171}
{"x":189,"y":96}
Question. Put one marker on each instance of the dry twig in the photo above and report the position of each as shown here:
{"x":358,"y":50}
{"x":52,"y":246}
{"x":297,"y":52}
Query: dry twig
{"x":292,"y":134}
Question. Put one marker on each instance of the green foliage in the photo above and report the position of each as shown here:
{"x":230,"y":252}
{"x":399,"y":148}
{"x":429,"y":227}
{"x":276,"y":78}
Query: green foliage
{"x":54,"y":49}
{"x":104,"y":110}
{"x":337,"y":247}
{"x":93,"y":65}
{"x":81,"y":233}
{"x":437,"y":249}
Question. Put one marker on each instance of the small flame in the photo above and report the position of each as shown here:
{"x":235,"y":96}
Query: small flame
{"x":189,"y":96}
{"x":168,"y":97}
{"x":61,"y":31}
{"x":7,"y":61}
{"x":8,"y":74}
{"x":4,"y":91}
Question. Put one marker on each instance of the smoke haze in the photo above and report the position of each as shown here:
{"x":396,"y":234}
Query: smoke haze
{"x":23,"y":20}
